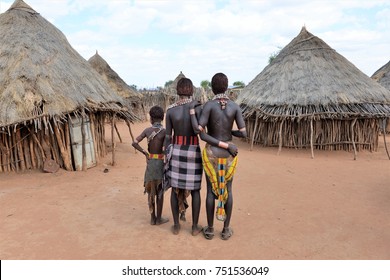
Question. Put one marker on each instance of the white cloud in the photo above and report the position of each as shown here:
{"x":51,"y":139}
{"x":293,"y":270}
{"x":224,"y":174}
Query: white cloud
{"x":150,"y":42}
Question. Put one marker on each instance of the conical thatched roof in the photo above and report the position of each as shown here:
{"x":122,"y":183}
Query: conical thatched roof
{"x":41,"y":74}
{"x":382,"y":76}
{"x":310,"y":78}
{"x":111,"y":77}
{"x":173,"y":86}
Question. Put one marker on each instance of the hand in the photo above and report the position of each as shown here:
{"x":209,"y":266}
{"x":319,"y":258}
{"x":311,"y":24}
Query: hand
{"x":194,"y":103}
{"x":233,"y":150}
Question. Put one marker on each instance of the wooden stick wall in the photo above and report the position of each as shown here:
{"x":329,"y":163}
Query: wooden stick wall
{"x":27,"y":146}
{"x":348,"y":135}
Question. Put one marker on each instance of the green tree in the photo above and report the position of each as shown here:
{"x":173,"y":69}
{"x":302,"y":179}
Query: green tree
{"x":168,"y":83}
{"x":205,"y":84}
{"x":133,"y":87}
{"x":239,"y":84}
{"x":273,"y":55}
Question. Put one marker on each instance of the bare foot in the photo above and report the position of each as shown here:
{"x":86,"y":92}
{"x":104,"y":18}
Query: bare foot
{"x":196,"y":229}
{"x":176,"y":229}
{"x":161,"y":221}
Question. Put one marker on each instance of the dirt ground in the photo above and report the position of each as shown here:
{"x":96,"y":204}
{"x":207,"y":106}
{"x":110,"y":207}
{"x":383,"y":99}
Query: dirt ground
{"x":286,"y":206}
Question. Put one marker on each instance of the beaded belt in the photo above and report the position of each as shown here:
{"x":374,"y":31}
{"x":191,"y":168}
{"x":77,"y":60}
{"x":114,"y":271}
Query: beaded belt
{"x":186,"y":140}
{"x":156,"y":156}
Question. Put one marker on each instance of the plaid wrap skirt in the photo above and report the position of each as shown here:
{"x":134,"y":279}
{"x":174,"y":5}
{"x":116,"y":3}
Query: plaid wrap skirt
{"x":185,"y":167}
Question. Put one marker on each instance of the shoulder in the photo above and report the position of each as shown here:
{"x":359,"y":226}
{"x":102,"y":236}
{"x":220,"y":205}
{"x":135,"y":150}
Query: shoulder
{"x":234,"y":104}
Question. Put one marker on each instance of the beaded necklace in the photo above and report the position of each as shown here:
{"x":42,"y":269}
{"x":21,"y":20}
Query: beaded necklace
{"x":222,"y":99}
{"x":156,"y":125}
{"x":180,"y":102}
{"x":154,"y":133}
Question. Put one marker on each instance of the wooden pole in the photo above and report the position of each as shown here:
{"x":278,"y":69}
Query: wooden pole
{"x":280,"y":137}
{"x":113,"y":139}
{"x":311,"y":137}
{"x":384,"y":136}
{"x":131,"y":133}
{"x":84,"y":151}
{"x":353,"y":140}
{"x":19,"y":147}
{"x":117,"y":132}
{"x":254,"y":132}
{"x":92,"y":121}
{"x":64,"y":153}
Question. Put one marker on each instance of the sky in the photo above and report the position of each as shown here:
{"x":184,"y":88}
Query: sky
{"x":149,"y":42}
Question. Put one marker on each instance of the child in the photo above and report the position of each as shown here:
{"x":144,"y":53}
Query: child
{"x":155,"y":136}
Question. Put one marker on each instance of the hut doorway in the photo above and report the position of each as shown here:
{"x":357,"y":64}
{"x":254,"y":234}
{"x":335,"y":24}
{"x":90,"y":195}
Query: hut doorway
{"x":78,"y":127}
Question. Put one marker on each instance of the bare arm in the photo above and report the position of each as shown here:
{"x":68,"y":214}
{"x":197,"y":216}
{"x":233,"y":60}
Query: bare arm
{"x":136,"y":145}
{"x":168,"y":131}
{"x":195,"y":112}
{"x":241,"y":132}
{"x":230,"y":147}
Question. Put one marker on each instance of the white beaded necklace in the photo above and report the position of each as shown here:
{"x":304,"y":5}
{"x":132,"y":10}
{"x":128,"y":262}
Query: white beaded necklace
{"x":222,"y":99}
{"x":180,"y":102}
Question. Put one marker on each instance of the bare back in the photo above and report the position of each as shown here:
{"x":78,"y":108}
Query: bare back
{"x":219,"y":122}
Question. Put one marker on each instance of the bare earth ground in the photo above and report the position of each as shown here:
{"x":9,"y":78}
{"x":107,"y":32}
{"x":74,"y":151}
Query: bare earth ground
{"x":286,"y":206}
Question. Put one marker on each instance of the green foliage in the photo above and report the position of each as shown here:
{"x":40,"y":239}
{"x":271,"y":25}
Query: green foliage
{"x":133,"y":87}
{"x":205,"y":84}
{"x":168,"y":83}
{"x":239,"y":84}
{"x":274,"y":55}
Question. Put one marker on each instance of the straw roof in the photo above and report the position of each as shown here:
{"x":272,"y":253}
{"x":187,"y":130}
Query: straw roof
{"x":199,"y":93}
{"x":111,"y":77}
{"x":310,"y":78}
{"x":382,"y":76}
{"x":42,"y":75}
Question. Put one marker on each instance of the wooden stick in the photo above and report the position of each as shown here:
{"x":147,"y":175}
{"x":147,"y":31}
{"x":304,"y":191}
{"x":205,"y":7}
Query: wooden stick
{"x":384,"y":137}
{"x":117,"y":132}
{"x":19,"y":148}
{"x":311,"y":138}
{"x":63,"y":151}
{"x":84,"y":151}
{"x":353,"y":140}
{"x":92,"y":121}
{"x":32,"y":152}
{"x":131,"y":133}
{"x":113,"y":139}
{"x":254,"y":132}
{"x":280,"y":137}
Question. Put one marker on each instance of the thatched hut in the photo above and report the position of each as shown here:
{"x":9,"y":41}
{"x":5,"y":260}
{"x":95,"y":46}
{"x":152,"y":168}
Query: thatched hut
{"x":171,"y":92}
{"x":152,"y":97}
{"x":53,"y":104}
{"x":132,"y":98}
{"x":311,"y":96}
{"x":382,"y":75}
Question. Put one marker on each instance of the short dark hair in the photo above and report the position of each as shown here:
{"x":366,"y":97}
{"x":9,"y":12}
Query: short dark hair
{"x":156,"y":112}
{"x":185,"y":87}
{"x":219,"y":83}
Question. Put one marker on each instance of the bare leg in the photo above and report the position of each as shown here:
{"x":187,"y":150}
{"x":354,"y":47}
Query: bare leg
{"x":229,"y":204}
{"x":153,"y":214}
{"x":175,"y":212}
{"x":160,"y":203}
{"x":210,"y":204}
{"x":195,"y":195}
{"x":208,"y":231}
{"x":227,"y":232}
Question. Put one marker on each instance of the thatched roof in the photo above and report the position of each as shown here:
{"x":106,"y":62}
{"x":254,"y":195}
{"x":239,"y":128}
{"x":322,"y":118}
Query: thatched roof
{"x":309,"y":78}
{"x":42,"y":75}
{"x":111,"y":77}
{"x":382,"y":76}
